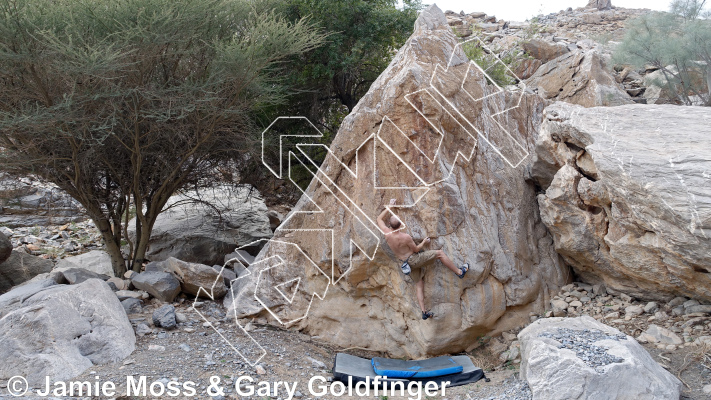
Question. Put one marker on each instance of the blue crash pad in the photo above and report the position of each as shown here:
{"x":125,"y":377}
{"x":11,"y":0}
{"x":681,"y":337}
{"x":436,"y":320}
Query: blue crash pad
{"x":438,"y":366}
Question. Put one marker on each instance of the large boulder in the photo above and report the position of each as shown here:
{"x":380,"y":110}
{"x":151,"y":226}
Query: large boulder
{"x":205,"y":226}
{"x":21,"y":267}
{"x":97,"y":261}
{"x":5,"y":248}
{"x":472,"y":198}
{"x":628,"y":196}
{"x":193,"y":277}
{"x":58,"y":331}
{"x":580,"y":358}
{"x":579,"y":77}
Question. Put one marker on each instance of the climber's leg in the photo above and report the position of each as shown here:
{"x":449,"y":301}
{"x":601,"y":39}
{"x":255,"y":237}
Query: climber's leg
{"x":420,"y":289}
{"x":448,"y":262}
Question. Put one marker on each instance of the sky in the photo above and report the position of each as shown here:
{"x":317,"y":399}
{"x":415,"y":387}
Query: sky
{"x":521,"y":10}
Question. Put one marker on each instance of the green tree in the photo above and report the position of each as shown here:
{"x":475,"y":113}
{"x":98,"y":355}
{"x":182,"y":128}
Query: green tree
{"x":121,"y":103}
{"x":678,"y":44}
{"x":364,"y":35}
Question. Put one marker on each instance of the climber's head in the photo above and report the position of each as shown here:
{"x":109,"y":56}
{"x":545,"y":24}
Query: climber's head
{"x":394,"y":222}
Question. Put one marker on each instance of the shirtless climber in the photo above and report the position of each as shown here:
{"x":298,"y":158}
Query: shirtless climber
{"x":412,"y":257}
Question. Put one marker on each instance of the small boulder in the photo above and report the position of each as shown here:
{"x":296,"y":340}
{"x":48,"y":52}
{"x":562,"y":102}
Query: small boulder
{"x":544,"y":51}
{"x":132,"y":306}
{"x":599,"y":363}
{"x":226,"y":273}
{"x":701,"y":308}
{"x":143,"y":329}
{"x":119,"y":283}
{"x":165,"y":317}
{"x":657,"y":334}
{"x":677,"y":301}
{"x":97,"y":261}
{"x":192,"y":277}
{"x":78,"y":275}
{"x":21,"y":267}
{"x":633,"y":311}
{"x":161,"y":285}
{"x":651,"y":307}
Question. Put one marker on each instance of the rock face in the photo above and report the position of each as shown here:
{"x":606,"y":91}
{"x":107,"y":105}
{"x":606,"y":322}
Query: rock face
{"x":59,"y":331}
{"x":578,"y":77}
{"x":192,"y":277}
{"x":97,"y":261}
{"x":544,"y":51}
{"x":21,"y":267}
{"x":480,"y":211}
{"x":205,"y":231}
{"x":628,"y":196}
{"x":580,"y":358}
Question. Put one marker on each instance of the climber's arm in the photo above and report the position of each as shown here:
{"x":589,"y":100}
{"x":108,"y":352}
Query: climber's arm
{"x":381,"y":222}
{"x":422,"y":244}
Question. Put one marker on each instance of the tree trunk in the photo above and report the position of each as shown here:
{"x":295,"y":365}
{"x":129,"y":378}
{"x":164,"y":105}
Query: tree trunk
{"x":708,"y":83}
{"x":114,"y":250}
{"x":142,"y":245}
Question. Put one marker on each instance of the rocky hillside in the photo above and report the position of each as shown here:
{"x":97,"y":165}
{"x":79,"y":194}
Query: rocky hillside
{"x":566,"y":55}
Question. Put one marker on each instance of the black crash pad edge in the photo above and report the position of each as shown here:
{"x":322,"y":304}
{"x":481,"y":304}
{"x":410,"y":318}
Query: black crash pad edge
{"x":462,"y":378}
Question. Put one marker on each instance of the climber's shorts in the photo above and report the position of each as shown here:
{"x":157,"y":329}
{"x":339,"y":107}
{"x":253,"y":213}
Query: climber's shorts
{"x":418,"y":262}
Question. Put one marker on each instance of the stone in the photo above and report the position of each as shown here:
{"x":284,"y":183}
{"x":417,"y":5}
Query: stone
{"x":21,"y":267}
{"x":143,"y":329}
{"x":651,"y":307}
{"x":657,"y":334}
{"x":132,"y":306}
{"x":260,"y":370}
{"x":677,"y":301}
{"x":227,"y":274}
{"x":706,"y":389}
{"x":119,"y":283}
{"x":555,"y":373}
{"x":698,"y":309}
{"x":200,"y":233}
{"x":691,"y":303}
{"x":164,"y":317}
{"x":156,"y":347}
{"x":576,"y":304}
{"x":600,"y":4}
{"x":628,"y":227}
{"x":130,"y":294}
{"x":193,"y":277}
{"x":544,"y":51}
{"x":5,"y":248}
{"x":514,"y":266}
{"x":633,"y":311}
{"x":163,"y":286}
{"x":578,"y":77}
{"x":240,"y":256}
{"x":77,"y":275}
{"x":97,"y":261}
{"x":180,"y":318}
{"x":559,"y":306}
{"x":61,"y":330}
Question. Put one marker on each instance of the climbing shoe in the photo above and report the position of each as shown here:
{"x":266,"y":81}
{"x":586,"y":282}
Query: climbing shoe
{"x":427,"y":314}
{"x":464,"y":269}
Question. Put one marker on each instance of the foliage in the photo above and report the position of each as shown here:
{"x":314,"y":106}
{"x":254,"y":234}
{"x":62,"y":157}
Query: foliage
{"x":496,"y":68}
{"x":121,"y":103}
{"x":679,"y":45}
{"x":363,"y":36}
